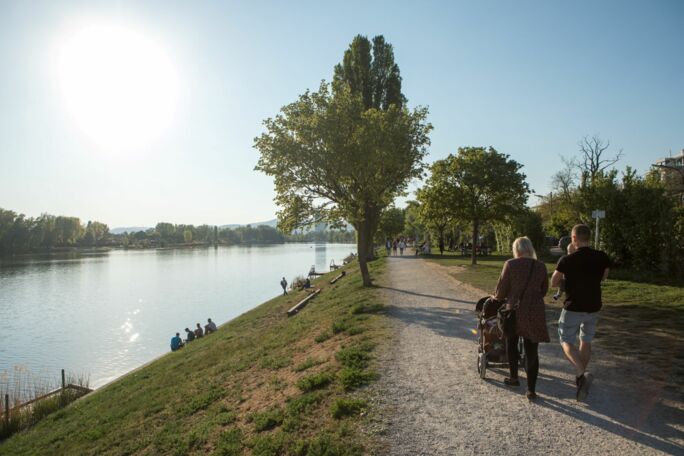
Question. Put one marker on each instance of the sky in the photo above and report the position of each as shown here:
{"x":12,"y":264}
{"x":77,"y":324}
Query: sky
{"x":165,"y":131}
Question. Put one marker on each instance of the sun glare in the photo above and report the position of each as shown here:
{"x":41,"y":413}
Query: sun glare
{"x":119,"y":86}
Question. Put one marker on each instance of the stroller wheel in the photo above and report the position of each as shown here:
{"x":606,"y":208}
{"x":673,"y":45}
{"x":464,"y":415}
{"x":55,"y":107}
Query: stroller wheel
{"x":482,"y":364}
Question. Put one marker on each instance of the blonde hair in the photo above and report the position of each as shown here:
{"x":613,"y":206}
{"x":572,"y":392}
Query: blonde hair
{"x":522,"y":247}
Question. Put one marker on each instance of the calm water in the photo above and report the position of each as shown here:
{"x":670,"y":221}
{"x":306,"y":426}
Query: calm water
{"x":106,"y":314}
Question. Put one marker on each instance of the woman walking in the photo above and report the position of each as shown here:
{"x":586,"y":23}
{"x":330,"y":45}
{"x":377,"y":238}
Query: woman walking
{"x":524,"y":283}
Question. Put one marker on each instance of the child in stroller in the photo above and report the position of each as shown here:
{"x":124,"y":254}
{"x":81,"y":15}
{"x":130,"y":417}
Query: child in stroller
{"x":491,"y":343}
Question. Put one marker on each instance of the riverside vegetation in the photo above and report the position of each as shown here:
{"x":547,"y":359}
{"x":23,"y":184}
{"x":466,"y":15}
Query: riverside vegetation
{"x":264,"y":383}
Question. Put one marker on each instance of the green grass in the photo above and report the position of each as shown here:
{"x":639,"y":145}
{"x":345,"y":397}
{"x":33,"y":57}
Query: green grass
{"x":632,"y":312}
{"x":343,"y":407}
{"x":235,"y":391}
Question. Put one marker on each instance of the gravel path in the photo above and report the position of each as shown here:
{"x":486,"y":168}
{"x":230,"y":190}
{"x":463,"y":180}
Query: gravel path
{"x":433,"y":402}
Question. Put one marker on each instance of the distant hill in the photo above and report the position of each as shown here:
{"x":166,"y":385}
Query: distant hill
{"x":129,"y":229}
{"x":271,"y":223}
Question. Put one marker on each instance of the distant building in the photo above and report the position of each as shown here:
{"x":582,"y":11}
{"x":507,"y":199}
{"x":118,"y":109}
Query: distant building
{"x":672,"y":172}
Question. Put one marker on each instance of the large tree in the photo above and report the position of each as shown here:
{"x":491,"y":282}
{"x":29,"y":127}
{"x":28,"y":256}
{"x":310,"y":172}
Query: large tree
{"x":369,"y":71}
{"x":332,"y":159}
{"x":481,"y":185}
{"x":436,"y":208}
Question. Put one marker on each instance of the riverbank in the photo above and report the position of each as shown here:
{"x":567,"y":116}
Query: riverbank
{"x":263,"y":383}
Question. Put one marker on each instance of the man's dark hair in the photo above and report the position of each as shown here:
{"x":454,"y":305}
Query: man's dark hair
{"x":582,"y":232}
{"x":177,"y":334}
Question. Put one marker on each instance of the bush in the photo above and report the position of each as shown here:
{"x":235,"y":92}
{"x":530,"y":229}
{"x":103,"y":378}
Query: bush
{"x":353,"y":378}
{"x":307,"y":364}
{"x":230,"y":442}
{"x":340,"y":326}
{"x":268,"y":419}
{"x":347,"y":407}
{"x":315,"y":381}
{"x":323,"y":337}
{"x":364,"y":308}
{"x":355,"y":357}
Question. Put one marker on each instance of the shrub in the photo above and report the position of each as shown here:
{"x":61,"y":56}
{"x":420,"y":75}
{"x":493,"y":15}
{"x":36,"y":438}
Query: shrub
{"x":307,"y":364}
{"x":347,"y":407}
{"x":267,"y":419}
{"x":354,"y":357}
{"x":230,"y":443}
{"x":340,"y":326}
{"x":365,"y":308}
{"x":297,"y":406}
{"x":315,"y":381}
{"x":322,"y":337}
{"x":352,"y":378}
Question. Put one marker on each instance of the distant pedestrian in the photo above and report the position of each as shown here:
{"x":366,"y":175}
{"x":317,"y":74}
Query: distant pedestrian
{"x":176,"y":342}
{"x":561,"y":288}
{"x":402,"y":246}
{"x":283,"y":283}
{"x":198,"y":332}
{"x":583,"y":272}
{"x":441,"y":246}
{"x":189,"y":335}
{"x":388,"y":246}
{"x":210,"y":327}
{"x":394,"y":247}
{"x":524,"y":283}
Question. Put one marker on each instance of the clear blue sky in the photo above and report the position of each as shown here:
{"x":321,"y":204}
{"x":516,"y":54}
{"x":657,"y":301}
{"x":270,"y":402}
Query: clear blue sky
{"x":529,"y":78}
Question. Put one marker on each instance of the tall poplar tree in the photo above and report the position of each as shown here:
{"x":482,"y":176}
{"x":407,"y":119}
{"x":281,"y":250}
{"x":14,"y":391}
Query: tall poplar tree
{"x":343,"y":153}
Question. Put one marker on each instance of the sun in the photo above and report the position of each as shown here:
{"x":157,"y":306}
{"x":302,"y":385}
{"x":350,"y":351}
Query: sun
{"x":118,"y":85}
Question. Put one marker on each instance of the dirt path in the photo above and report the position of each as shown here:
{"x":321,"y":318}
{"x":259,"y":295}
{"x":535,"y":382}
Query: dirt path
{"x":434,"y":403}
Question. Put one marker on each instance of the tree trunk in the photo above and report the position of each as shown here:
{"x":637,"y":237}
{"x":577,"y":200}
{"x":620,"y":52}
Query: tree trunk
{"x":476,"y":226}
{"x":362,"y":246}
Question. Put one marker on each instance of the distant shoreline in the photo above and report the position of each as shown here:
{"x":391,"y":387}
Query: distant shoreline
{"x":105,"y":249}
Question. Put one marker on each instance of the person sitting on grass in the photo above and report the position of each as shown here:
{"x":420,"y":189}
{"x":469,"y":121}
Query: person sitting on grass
{"x":190,"y":336}
{"x":198,"y":332}
{"x":210,"y":327}
{"x":176,"y":342}
{"x":307,"y":283}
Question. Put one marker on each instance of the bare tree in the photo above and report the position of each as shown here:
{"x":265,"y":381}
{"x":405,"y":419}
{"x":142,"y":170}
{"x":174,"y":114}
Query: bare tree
{"x":593,"y":159}
{"x":564,"y":181}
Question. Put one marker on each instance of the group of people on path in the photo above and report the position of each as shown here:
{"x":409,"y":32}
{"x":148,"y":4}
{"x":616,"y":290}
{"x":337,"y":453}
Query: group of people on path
{"x":393,"y":245}
{"x":177,"y":342}
{"x":524,"y":283}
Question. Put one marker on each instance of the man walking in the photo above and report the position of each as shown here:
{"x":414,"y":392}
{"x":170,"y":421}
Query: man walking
{"x":582,"y":272}
{"x":283,"y":283}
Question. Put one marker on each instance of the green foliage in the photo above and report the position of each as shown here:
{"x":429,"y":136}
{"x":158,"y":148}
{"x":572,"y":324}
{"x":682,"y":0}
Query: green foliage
{"x":369,"y":70}
{"x":322,"y":337}
{"x":267,"y":419}
{"x":391,"y":223}
{"x":308,"y":363}
{"x":315,"y":381}
{"x":335,"y":156}
{"x":339,"y":326}
{"x":352,"y":378}
{"x":230,"y":443}
{"x":479,"y":184}
{"x":354,"y":356}
{"x":343,"y":407}
{"x":368,"y":307}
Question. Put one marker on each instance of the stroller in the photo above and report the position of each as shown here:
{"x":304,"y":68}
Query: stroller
{"x":491,"y":344}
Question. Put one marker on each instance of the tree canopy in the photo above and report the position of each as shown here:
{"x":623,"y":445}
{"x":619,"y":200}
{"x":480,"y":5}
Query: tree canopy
{"x":333,"y":158}
{"x":479,"y":185}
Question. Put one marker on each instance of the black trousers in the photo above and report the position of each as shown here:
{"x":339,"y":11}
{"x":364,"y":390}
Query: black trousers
{"x":531,"y":360}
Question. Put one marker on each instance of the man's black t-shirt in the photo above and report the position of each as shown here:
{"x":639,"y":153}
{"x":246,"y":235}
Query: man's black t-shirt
{"x":583,"y":271}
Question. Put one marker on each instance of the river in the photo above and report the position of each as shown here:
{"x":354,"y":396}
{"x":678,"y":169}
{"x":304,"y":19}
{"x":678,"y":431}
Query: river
{"x":105,"y":314}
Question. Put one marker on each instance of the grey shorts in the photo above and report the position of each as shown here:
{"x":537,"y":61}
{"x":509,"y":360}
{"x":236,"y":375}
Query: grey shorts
{"x":570,"y":323}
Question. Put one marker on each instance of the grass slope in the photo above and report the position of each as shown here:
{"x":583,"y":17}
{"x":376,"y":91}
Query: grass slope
{"x":264,"y":384}
{"x":639,"y":320}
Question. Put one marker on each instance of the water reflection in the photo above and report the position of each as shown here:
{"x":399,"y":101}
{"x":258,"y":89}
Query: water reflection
{"x":105,"y":314}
